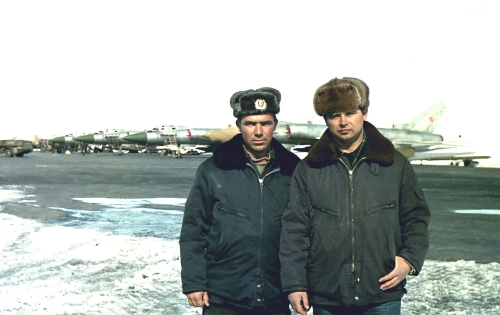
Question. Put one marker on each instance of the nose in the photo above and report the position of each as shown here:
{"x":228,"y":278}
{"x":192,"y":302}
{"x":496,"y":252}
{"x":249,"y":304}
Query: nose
{"x":343,"y":119}
{"x":258,"y":129}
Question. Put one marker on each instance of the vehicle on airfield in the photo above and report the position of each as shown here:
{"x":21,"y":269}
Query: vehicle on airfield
{"x":15,"y":147}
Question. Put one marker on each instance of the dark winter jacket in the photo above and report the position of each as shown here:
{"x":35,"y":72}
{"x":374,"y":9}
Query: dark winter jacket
{"x":231,"y":228}
{"x":344,"y":228}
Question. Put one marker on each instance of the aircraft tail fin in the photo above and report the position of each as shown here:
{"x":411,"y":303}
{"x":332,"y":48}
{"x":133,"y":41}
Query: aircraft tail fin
{"x":427,"y":121}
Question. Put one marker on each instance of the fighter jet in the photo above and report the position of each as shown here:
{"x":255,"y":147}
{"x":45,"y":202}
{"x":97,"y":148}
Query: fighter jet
{"x":455,"y":150}
{"x":113,"y":139}
{"x":300,"y":135}
{"x":405,"y":137}
{"x":171,"y":135}
{"x":61,"y":144}
{"x":307,"y":134}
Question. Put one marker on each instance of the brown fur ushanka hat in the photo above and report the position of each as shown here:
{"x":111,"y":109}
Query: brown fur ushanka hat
{"x":338,"y":95}
{"x":256,"y":102}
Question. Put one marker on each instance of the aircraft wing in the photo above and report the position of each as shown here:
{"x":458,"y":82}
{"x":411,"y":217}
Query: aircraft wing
{"x":452,"y":157}
{"x":450,"y":151}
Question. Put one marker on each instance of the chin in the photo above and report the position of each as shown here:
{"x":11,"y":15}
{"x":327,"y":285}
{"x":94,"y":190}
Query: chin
{"x":260,"y":149}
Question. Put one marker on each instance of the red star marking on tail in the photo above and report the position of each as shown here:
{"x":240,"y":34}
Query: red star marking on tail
{"x":431,"y":119}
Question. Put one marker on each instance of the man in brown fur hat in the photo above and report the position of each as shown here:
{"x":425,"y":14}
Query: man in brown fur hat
{"x":232,"y":219}
{"x":357,"y":224}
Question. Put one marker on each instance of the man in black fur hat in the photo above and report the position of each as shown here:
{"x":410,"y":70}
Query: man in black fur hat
{"x":232,"y":219}
{"x":357,"y":224}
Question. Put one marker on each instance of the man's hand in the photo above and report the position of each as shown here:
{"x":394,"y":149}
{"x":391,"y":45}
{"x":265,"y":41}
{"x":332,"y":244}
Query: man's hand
{"x":198,"y":299}
{"x":397,"y":275}
{"x":299,"y":302}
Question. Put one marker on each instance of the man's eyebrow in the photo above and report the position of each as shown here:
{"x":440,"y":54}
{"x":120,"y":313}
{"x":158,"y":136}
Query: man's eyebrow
{"x":258,"y":122}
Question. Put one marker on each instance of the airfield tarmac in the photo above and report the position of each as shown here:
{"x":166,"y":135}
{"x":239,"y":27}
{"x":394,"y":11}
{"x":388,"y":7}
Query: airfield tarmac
{"x":67,"y":190}
{"x":56,"y":179}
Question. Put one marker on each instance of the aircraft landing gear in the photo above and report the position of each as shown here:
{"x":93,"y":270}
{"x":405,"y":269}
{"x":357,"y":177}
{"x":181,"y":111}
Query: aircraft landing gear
{"x":470,"y":163}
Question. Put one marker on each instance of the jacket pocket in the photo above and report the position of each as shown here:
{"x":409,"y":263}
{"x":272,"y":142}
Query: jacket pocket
{"x":326,"y":210}
{"x":226,"y":210}
{"x":380,"y":207}
{"x":418,"y":191}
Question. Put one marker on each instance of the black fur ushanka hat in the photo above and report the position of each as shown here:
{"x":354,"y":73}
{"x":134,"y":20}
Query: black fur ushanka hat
{"x":339,"y":95}
{"x":256,"y":102}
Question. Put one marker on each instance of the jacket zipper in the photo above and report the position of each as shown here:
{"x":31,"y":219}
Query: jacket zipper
{"x":351,"y":206}
{"x":261,"y":184}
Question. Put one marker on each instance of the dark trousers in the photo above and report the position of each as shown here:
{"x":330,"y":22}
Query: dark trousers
{"x":388,"y":308}
{"x":276,"y":309}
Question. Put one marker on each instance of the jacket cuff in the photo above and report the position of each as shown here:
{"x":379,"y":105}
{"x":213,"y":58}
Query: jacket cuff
{"x":413,"y":270}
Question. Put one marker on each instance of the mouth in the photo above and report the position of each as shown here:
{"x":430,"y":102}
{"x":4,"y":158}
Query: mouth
{"x":344,"y":131}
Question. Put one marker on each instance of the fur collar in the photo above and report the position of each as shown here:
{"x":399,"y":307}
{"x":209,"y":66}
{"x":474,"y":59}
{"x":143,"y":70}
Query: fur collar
{"x":230,"y":155}
{"x":378,"y":149}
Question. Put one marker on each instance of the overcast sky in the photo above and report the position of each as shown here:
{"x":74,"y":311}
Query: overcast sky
{"x":81,"y":66}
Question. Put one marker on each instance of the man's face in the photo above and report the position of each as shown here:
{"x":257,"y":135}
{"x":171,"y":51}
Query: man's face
{"x":346,"y":127}
{"x":257,"y":132}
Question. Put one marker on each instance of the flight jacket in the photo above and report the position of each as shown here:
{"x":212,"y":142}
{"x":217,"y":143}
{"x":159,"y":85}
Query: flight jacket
{"x":229,"y":240}
{"x":345,"y":226}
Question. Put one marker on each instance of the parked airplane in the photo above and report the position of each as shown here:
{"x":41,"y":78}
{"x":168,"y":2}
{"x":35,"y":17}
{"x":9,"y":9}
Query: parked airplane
{"x":405,"y":139}
{"x":415,"y":139}
{"x":60,"y":144}
{"x":446,"y":151}
{"x":296,"y":134}
{"x":307,"y":134}
{"x":166,"y":135}
{"x":112,"y":138}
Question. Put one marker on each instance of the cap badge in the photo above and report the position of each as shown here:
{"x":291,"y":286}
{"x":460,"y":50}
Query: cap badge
{"x":260,"y":104}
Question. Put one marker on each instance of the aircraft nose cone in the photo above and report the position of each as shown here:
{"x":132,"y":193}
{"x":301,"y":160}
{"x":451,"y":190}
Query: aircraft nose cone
{"x":57,"y":140}
{"x":139,"y":138}
{"x":85,"y":138}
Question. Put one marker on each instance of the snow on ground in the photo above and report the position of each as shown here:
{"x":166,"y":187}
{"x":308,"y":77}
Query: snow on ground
{"x":61,"y":270}
{"x":50,"y":269}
